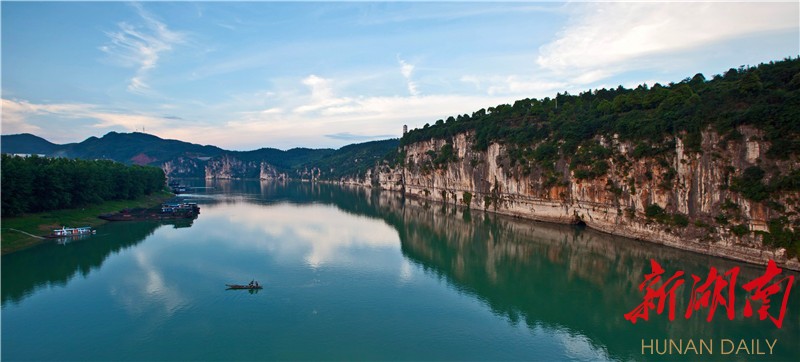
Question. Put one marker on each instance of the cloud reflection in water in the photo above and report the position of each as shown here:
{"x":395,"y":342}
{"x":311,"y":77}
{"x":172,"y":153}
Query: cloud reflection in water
{"x":319,"y":234}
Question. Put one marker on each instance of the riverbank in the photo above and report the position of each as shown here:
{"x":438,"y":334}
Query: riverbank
{"x":21,"y":232}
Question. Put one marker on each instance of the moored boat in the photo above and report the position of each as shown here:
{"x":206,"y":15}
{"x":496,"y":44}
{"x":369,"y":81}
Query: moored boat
{"x":172,"y":207}
{"x":71,"y":232}
{"x":167,"y":211}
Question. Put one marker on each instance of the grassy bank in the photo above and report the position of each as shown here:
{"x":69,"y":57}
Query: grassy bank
{"x":44,"y":222}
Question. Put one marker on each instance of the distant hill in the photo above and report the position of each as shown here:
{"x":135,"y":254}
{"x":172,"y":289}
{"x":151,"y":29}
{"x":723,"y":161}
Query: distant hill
{"x":284,"y":160}
{"x":355,"y":159}
{"x":146,"y":149}
{"x":138,"y":148}
{"x":27,"y":143}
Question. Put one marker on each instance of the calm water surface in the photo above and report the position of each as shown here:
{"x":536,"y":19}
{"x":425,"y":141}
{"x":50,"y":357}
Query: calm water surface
{"x":351,"y":275}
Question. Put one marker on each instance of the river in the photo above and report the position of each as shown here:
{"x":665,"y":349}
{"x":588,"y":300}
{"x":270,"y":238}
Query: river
{"x":354,"y":274}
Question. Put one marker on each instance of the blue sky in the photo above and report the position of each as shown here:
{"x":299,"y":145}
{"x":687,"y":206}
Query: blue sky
{"x":246,"y":75}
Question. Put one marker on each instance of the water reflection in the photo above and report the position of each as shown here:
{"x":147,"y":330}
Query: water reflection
{"x":571,"y":282}
{"x":566,"y":288}
{"x":54,"y":264}
{"x":319,"y":234}
{"x":570,"y":279}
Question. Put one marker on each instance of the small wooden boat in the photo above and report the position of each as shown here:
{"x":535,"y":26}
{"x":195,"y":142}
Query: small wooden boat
{"x":239,"y":286}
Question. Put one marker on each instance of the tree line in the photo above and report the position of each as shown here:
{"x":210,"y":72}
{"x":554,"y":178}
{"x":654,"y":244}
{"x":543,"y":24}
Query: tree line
{"x":766,"y":96}
{"x":35,"y":184}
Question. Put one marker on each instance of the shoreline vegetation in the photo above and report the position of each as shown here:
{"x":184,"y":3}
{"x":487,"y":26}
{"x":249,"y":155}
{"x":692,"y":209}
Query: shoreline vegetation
{"x":25,"y":231}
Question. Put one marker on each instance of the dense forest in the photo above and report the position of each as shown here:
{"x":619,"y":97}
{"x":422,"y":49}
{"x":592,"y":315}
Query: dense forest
{"x":538,"y":133}
{"x":35,"y":184}
{"x":353,"y":159}
{"x":767,"y":96}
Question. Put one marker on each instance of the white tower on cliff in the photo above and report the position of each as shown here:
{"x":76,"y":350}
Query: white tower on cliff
{"x":405,"y":129}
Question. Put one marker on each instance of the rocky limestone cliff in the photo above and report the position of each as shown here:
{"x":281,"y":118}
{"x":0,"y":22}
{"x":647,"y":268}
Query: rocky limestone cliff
{"x":184,"y":167}
{"x":382,"y":176}
{"x":269,"y":172}
{"x":306,"y":174}
{"x":224,"y":167}
{"x":229,"y":167}
{"x":691,"y":188}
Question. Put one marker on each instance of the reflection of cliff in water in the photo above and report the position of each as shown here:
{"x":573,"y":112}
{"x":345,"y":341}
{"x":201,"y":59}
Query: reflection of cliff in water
{"x":54,"y":264}
{"x":351,"y":199}
{"x":556,"y":277}
{"x":564,"y":277}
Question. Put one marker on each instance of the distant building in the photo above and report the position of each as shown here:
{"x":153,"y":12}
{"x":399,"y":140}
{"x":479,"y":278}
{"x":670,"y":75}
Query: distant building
{"x":405,"y":129}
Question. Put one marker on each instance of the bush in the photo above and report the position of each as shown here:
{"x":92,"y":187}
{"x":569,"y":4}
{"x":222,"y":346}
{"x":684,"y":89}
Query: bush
{"x":654,"y":211}
{"x":729,"y":205}
{"x":466,"y":198}
{"x":740,"y":230}
{"x":680,"y":220}
{"x":445,"y":156}
{"x":750,"y":185}
{"x":781,"y":236}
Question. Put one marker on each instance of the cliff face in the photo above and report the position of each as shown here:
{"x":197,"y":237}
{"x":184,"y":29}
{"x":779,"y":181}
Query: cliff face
{"x":184,"y":167}
{"x":382,"y":176}
{"x":696,"y":207}
{"x":225,"y":167}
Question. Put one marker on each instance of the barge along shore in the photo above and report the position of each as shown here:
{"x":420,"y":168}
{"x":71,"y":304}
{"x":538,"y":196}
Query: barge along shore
{"x":168,"y":211}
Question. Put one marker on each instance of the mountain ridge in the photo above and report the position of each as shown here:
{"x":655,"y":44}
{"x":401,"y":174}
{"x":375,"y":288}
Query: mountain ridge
{"x":195,"y":160}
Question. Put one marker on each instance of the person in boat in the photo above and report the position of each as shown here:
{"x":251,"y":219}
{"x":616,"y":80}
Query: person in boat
{"x":251,"y":284}
{"x":256,"y":284}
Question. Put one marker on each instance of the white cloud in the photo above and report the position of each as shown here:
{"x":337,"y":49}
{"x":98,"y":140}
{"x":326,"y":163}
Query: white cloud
{"x":287,"y":122}
{"x":320,"y":87}
{"x":517,"y":86}
{"x":137,"y":84}
{"x":367,"y":115}
{"x":407,"y":69}
{"x":274,"y":110}
{"x":525,"y":86}
{"x":603,"y":38}
{"x":18,"y":113}
{"x":352,"y":137}
{"x":141,"y":47}
{"x":447,"y":11}
{"x":471,"y":79}
{"x":321,"y":95}
{"x":13,"y":116}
